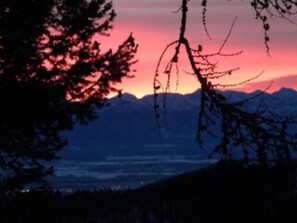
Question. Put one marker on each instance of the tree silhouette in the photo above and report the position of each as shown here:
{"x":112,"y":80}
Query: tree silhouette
{"x":258,"y":133}
{"x":53,"y":74}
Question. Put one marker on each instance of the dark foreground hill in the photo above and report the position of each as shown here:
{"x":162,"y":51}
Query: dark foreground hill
{"x":213,"y":194}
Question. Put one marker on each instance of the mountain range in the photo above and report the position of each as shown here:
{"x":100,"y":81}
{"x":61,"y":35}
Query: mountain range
{"x":129,"y":126}
{"x":125,"y":143}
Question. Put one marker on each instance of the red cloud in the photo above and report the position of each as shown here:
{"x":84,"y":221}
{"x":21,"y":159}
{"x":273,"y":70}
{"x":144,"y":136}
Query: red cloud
{"x":288,"y":81}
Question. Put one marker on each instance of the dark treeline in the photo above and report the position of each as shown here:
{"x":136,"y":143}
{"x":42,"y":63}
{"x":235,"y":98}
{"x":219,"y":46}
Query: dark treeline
{"x":208,"y":195}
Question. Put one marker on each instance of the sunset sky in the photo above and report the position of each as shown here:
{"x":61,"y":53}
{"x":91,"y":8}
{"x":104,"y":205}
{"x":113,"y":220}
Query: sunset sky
{"x":154,"y":25}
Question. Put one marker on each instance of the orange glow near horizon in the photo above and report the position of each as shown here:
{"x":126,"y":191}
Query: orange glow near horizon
{"x":154,"y":25}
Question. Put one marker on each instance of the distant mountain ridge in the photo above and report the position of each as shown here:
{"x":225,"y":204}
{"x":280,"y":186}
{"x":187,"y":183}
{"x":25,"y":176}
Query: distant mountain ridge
{"x":124,"y":146}
{"x":128,"y":125}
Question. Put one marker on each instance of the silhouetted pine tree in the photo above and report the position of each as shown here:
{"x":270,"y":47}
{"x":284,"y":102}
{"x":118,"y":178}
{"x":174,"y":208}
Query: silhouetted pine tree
{"x":53,"y":74}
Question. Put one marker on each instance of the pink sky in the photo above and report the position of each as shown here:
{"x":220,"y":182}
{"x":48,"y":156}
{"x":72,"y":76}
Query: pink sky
{"x":154,"y":25}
